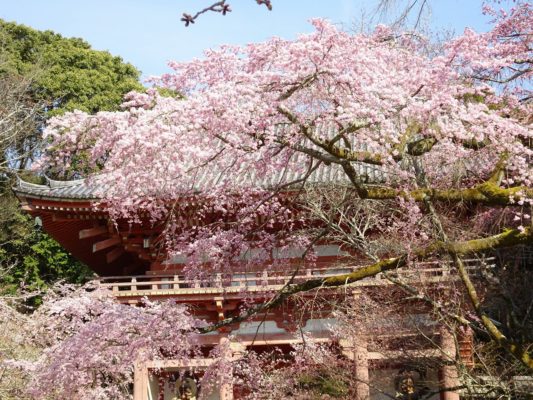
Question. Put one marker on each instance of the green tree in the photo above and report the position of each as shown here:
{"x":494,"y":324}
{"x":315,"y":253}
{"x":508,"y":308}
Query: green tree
{"x":43,"y":74}
{"x":73,"y":76}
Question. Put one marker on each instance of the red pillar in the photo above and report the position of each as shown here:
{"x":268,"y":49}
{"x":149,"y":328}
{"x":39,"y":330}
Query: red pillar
{"x":140,"y":382}
{"x":357,"y":350}
{"x":226,"y":385}
{"x":231,"y":352}
{"x":448,"y":373}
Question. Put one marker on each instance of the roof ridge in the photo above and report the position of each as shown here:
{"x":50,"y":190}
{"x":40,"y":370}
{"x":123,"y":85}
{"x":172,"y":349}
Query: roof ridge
{"x":56,"y":184}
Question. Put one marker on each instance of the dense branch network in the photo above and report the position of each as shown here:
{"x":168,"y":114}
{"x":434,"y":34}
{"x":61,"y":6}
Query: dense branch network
{"x":505,"y":239}
{"x":254,"y":127}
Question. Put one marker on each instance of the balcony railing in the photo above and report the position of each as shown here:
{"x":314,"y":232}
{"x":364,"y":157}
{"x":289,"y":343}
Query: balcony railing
{"x":271,"y":280}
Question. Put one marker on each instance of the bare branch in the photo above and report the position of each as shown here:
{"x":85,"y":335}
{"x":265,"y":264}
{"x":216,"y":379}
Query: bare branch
{"x":218,"y":7}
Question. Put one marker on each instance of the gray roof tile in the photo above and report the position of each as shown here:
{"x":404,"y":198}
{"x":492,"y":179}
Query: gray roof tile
{"x":83,"y":189}
{"x":208,"y":177}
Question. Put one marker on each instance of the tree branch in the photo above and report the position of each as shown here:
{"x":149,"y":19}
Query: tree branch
{"x":488,"y":193}
{"x":218,"y":7}
{"x":339,"y":152}
{"x":508,"y":238}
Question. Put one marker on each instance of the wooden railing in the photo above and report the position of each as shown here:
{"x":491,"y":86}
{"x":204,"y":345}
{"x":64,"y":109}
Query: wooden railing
{"x":176,"y":284}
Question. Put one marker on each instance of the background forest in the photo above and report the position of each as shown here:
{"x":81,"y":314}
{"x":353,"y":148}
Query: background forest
{"x":43,"y":74}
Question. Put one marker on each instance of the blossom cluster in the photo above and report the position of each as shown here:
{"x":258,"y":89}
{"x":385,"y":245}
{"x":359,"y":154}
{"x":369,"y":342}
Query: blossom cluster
{"x":92,"y":343}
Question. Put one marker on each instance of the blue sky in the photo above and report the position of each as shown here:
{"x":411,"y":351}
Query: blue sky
{"x":148,"y":33}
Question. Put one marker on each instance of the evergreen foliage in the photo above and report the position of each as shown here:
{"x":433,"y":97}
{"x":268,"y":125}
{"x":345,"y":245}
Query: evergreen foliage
{"x":49,"y":75}
{"x":72,"y":76}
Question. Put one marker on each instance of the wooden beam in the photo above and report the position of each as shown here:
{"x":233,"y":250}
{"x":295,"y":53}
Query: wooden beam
{"x":87,"y":233}
{"x":144,"y":256}
{"x":133,"y":247}
{"x":410,"y":354}
{"x":177,"y":364}
{"x":104,"y":244}
{"x":62,"y":218}
{"x":114,"y":254}
{"x":26,"y":207}
{"x":220,"y":309}
{"x":227,"y":306}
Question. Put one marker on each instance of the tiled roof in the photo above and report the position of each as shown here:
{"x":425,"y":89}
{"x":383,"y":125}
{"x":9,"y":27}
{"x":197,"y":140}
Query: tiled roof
{"x":208,"y":177}
{"x":84,"y":189}
{"x":79,"y":189}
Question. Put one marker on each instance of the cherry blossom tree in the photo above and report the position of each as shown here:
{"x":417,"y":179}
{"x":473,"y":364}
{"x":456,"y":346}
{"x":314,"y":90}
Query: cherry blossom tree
{"x":91,"y":343}
{"x":246,"y":130}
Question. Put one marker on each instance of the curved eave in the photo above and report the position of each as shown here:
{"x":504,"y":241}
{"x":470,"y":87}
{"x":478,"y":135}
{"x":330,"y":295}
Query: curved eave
{"x":46,"y":196}
{"x":66,"y":232}
{"x":95,"y":188}
{"x":65,"y":222}
{"x":65,"y":191}
{"x":66,"y":210}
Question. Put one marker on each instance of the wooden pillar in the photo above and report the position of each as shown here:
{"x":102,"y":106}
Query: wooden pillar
{"x":140,"y":382}
{"x":357,"y":350}
{"x":448,"y":373}
{"x":361,"y":369}
{"x":226,"y":382}
{"x":226,"y":391}
{"x":232,"y":351}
